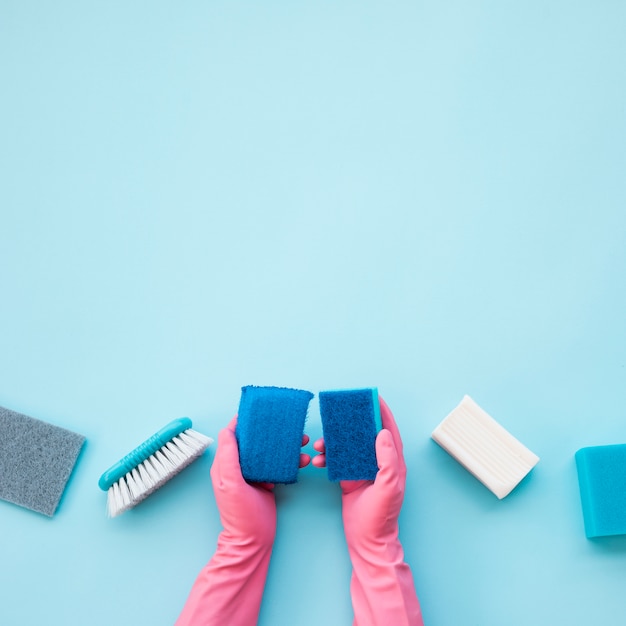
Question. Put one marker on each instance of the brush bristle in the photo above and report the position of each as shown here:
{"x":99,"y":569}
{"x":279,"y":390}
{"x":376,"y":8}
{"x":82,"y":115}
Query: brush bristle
{"x":155,"y":471}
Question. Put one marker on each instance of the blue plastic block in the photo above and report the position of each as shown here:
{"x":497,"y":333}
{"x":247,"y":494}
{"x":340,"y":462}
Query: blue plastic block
{"x":350,"y":421}
{"x":602,"y":481}
{"x":270,"y":425}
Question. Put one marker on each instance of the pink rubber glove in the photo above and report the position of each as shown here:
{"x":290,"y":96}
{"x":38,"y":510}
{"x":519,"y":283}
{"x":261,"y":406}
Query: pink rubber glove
{"x":229,"y":589}
{"x":381,"y":587}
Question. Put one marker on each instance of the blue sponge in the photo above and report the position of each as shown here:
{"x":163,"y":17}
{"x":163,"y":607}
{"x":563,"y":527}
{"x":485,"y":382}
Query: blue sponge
{"x":602,"y":482}
{"x":270,"y":425}
{"x":350,"y":421}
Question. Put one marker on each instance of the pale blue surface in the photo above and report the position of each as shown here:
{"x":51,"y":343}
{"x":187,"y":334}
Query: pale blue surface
{"x":425,"y":197}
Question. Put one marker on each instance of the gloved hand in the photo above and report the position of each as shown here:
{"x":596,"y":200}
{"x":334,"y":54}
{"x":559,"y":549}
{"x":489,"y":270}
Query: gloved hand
{"x":381,"y":587}
{"x":229,"y":589}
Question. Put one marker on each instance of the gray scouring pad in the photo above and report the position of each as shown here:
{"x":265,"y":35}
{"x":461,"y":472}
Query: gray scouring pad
{"x":36,"y":460}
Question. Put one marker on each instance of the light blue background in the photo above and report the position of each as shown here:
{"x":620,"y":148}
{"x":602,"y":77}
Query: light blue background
{"x":426,"y":197}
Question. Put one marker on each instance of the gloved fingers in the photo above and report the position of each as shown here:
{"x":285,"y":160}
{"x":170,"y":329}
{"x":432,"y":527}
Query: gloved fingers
{"x":389,"y":423}
{"x":389,"y":479}
{"x":232,"y":425}
{"x":231,"y":465}
{"x":305,"y":459}
{"x":348,"y":486}
{"x":226,"y":469}
{"x":319,"y":460}
{"x":389,"y":469}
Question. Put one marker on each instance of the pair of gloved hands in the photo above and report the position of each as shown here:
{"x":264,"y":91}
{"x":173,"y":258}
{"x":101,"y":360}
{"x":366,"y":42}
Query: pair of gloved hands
{"x":229,"y":589}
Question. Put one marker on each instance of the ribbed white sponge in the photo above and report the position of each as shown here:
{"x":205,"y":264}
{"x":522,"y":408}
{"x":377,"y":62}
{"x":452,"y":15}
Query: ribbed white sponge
{"x":484,"y":448}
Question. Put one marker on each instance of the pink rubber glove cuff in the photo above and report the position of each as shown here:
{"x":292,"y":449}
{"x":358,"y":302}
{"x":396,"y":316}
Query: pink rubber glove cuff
{"x":381,"y":587}
{"x":229,"y":589}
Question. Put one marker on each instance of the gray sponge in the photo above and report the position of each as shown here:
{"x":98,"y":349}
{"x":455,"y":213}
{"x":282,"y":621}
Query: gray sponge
{"x":36,"y":460}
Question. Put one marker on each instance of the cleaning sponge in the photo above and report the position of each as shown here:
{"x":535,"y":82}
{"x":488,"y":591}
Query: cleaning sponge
{"x":350,"y":421}
{"x":270,"y":425}
{"x":36,"y":460}
{"x":602,"y":482}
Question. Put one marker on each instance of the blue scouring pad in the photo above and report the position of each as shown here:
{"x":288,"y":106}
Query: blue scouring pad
{"x":350,"y":421}
{"x":36,"y":461}
{"x":270,"y":425}
{"x":602,"y":482}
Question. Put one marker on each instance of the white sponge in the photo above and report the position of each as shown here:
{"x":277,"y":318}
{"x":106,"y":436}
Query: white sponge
{"x":484,"y":448}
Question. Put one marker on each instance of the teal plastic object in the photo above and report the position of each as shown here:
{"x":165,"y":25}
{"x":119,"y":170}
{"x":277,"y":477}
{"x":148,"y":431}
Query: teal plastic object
{"x":377,"y":418}
{"x":602,"y":482}
{"x":143,"y":451}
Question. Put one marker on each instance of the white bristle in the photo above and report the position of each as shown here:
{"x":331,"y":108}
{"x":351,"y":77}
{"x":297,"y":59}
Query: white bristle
{"x":144,"y":477}
{"x":132,"y":486}
{"x":155,"y":471}
{"x":151,"y":470}
{"x":162,"y":463}
{"x":173,"y":452}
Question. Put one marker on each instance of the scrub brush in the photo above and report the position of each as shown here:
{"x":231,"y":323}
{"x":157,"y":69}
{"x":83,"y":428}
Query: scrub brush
{"x":151,"y":464}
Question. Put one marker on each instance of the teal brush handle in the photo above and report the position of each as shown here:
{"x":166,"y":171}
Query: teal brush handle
{"x":143,"y":451}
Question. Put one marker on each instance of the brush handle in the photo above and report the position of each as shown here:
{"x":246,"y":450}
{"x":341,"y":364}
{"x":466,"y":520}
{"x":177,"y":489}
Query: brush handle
{"x":142,"y":452}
